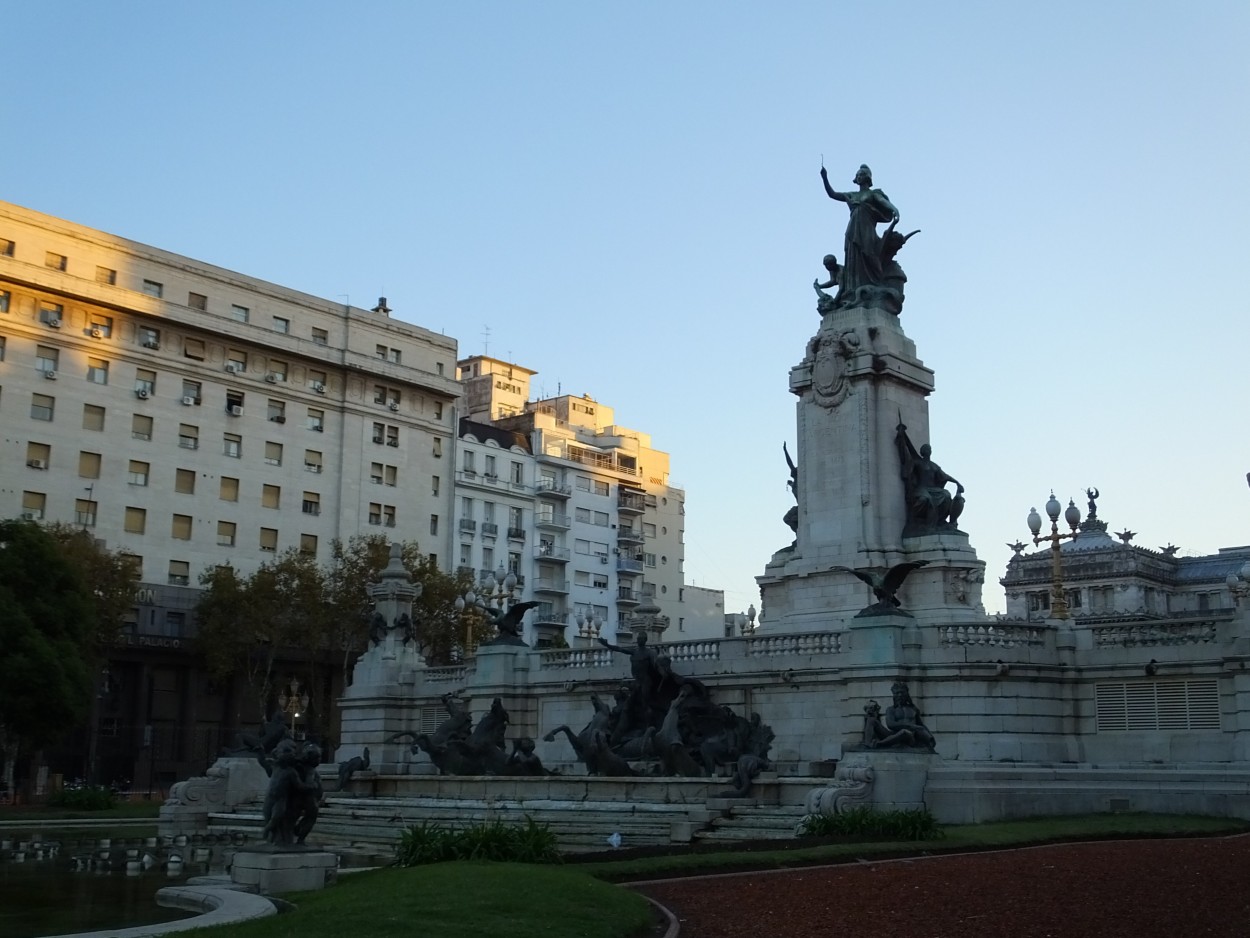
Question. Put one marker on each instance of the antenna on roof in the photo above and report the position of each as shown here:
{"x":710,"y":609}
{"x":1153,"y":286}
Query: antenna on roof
{"x":486,"y":341}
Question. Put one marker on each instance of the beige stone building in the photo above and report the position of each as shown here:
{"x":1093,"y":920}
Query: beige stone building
{"x":193,"y":416}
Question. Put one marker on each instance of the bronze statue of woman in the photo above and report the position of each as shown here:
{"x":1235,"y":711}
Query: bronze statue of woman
{"x":862,"y":265}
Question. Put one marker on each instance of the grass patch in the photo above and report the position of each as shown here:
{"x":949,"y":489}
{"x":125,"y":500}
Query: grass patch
{"x":121,"y":810}
{"x":492,"y":840}
{"x":459,"y":900}
{"x":866,"y":823}
{"x":959,"y":838}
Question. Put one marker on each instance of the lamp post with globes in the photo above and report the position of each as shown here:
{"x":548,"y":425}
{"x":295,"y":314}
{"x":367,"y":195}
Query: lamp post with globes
{"x":1059,"y":602}
{"x":588,"y":624}
{"x":748,"y":627}
{"x":293,"y":704}
{"x":497,"y":593}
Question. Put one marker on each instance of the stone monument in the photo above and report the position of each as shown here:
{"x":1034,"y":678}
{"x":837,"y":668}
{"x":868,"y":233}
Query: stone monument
{"x":870,"y":495}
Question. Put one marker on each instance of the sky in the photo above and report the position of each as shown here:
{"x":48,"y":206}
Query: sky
{"x":626,"y":199}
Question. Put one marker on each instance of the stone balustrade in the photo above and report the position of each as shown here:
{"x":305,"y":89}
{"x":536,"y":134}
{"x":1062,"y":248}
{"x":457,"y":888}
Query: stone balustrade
{"x":816,"y":643}
{"x":996,"y":635}
{"x":693,"y":651}
{"x":1154,"y":633}
{"x":575,"y":658}
{"x":453,"y":674}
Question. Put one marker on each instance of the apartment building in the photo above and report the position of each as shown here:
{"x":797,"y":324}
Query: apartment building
{"x":192,"y":416}
{"x":594,"y":526}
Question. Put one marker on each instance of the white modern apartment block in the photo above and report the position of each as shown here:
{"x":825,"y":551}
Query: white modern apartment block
{"x":600,"y":527}
{"x":193,"y":416}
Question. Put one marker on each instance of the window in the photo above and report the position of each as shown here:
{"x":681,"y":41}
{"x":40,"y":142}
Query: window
{"x":193,"y":348}
{"x":599,"y":581}
{"x":55,"y":261}
{"x":88,"y":465}
{"x":438,"y":410}
{"x":600,"y":487}
{"x":192,"y":392}
{"x":312,"y":460}
{"x":225,"y":533}
{"x":434,"y":483}
{"x":466,"y":507}
{"x":46,"y":359}
{"x":38,"y":455}
{"x":312,"y":503}
{"x":239,"y":313}
{"x":277,"y":411}
{"x":5,"y":298}
{"x":229,"y":490}
{"x":491,"y":473}
{"x":469,"y":460}
{"x":269,"y":539}
{"x":388,"y":354}
{"x":234,"y":403}
{"x":6,"y":247}
{"x":648,"y":529}
{"x":582,"y":483}
{"x":184,"y":482}
{"x":140,"y":427}
{"x":42,"y":407}
{"x":236,"y":361}
{"x":105,"y":275}
{"x":152,"y":288}
{"x":270,"y":496}
{"x":139,"y":472}
{"x":320,"y":337}
{"x":466,"y":555}
{"x":392,"y":435}
{"x":180,"y":530}
{"x":3,"y":344}
{"x":102,"y":323}
{"x":273,"y":453}
{"x":145,"y":382}
{"x":388,"y":515}
{"x":649,"y":559}
{"x":317,"y":380}
{"x":390,"y":475}
{"x":316,"y":420}
{"x":188,"y":436}
{"x":488,"y":512}
{"x":375,"y":512}
{"x":375,"y":473}
{"x":278,"y":371}
{"x":386,"y":395}
{"x":33,"y":504}
{"x":281,"y":325}
{"x":438,"y":447}
{"x":97,"y":371}
{"x":433,"y":524}
{"x":197,"y":301}
{"x":308,"y":544}
{"x":488,"y":559}
{"x":179,"y":573}
{"x":136,"y":520}
{"x":515,"y":518}
{"x":92,"y":417}
{"x":51,"y":314}
{"x":84,"y":512}
{"x":518,"y":473}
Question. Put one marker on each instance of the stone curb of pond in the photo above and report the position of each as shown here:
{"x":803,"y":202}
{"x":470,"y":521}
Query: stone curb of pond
{"x":672,"y":925}
{"x":219,"y":905}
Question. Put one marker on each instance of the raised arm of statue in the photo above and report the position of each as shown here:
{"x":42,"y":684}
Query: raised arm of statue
{"x":829,"y":190}
{"x":607,"y":644}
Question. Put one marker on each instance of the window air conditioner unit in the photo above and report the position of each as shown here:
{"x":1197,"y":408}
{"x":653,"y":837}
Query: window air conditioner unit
{"x":152,"y":344}
{"x":319,"y":387}
{"x":392,"y":442}
{"x":232,"y":368}
{"x":378,"y":439}
{"x":54,"y":323}
{"x":278,"y":418}
{"x":603,"y":558}
{"x":235,"y":410}
{"x":393,"y":406}
{"x":28,"y":516}
{"x":36,"y":464}
{"x":50,"y":375}
{"x":142,"y":393}
{"x":318,"y":428}
{"x":97,"y":332}
{"x":188,"y":401}
{"x":271,"y":378}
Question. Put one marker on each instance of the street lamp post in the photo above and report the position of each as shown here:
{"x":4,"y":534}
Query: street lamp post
{"x":498,"y":593}
{"x":588,"y":624}
{"x":293,"y":704}
{"x":1059,"y":602}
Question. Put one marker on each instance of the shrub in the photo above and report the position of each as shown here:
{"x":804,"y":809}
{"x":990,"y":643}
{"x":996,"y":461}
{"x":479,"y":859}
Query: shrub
{"x":90,"y":798}
{"x":866,"y":824}
{"x":491,"y":840}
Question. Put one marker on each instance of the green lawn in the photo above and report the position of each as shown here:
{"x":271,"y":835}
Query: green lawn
{"x":459,"y":900}
{"x":123,"y":810}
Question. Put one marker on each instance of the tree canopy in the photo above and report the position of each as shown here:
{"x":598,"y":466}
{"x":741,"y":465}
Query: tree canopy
{"x":48,"y":633}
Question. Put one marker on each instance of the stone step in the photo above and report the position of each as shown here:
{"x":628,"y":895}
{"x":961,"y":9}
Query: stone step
{"x":737,"y":834}
{"x":754,"y":823}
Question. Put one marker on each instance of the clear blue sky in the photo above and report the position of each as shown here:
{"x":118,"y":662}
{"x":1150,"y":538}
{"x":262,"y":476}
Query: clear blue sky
{"x":626,"y":196}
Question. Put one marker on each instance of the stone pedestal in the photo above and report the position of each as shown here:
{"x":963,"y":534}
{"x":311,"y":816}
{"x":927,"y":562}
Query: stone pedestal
{"x":230,"y":782}
{"x":898,"y":777}
{"x":284,"y":870}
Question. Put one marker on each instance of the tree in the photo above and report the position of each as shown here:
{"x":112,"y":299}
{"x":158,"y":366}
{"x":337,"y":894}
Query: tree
{"x":247,"y":623}
{"x":111,"y":578}
{"x":47,"y":633}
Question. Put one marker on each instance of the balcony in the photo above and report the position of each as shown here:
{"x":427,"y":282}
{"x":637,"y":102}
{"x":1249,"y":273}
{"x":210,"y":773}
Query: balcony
{"x":627,"y":597}
{"x":550,"y":585}
{"x":467,"y":526}
{"x":546,"y":551}
{"x":630,"y":501}
{"x":550,"y":488}
{"x":490,"y":529}
{"x":516,"y":534}
{"x":629,"y":564}
{"x":628,"y":535}
{"x":552,"y":520}
{"x":545,"y":615}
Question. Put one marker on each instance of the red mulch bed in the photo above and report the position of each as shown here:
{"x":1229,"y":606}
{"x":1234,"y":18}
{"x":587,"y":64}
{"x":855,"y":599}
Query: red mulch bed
{"x":1115,"y":889}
